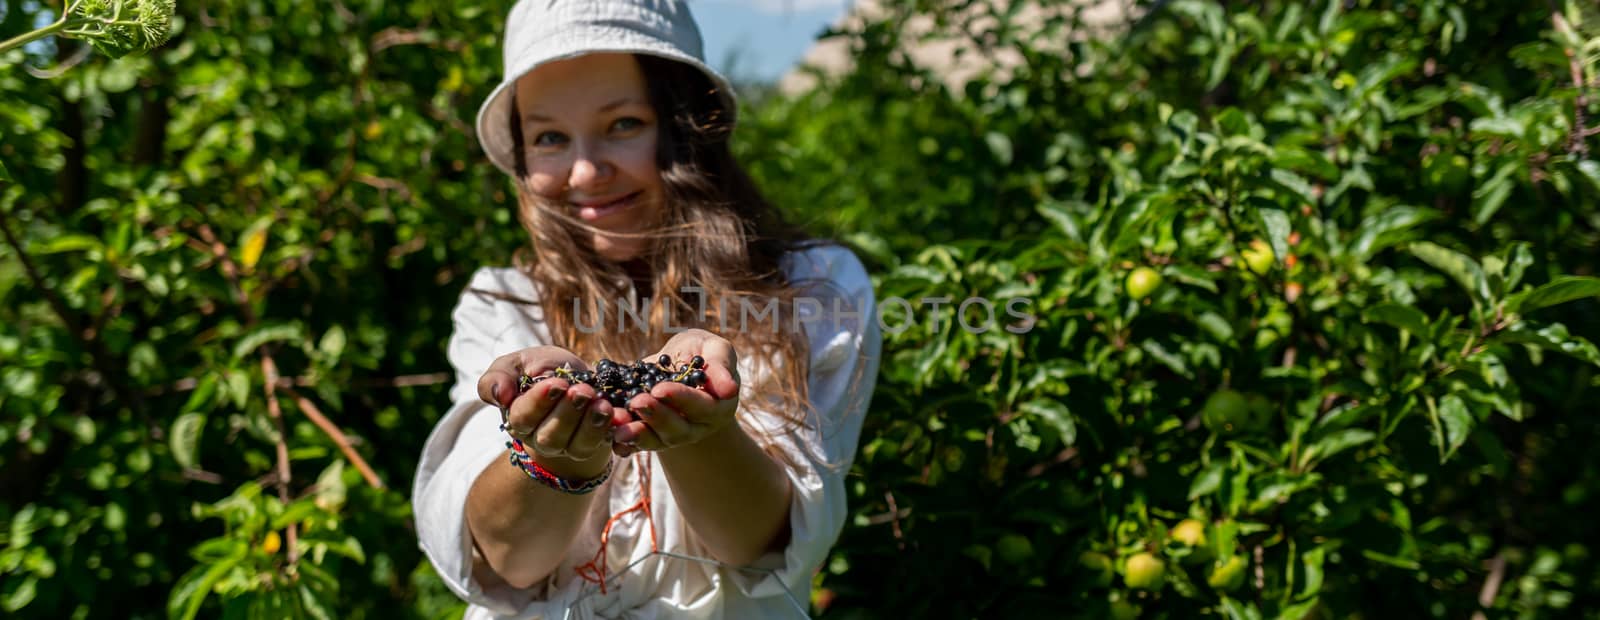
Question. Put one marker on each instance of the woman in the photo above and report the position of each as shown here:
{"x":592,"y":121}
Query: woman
{"x":713,"y":499}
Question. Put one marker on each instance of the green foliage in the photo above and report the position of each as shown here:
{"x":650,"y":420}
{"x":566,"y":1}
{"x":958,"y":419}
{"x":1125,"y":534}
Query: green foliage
{"x":282,"y":181}
{"x":1374,"y":232}
{"x":1373,"y":225}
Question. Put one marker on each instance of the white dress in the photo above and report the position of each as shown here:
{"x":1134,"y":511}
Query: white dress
{"x":844,"y":351}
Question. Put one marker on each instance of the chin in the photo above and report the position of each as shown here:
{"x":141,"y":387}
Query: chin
{"x":618,"y":251}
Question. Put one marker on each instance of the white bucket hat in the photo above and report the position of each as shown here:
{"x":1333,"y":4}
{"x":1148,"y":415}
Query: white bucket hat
{"x":539,"y":31}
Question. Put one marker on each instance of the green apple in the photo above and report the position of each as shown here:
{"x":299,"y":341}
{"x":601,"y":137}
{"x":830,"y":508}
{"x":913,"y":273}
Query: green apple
{"x":1014,"y":549}
{"x":1142,"y":282}
{"x":1190,"y":532}
{"x":1144,"y":571}
{"x":1228,"y":575}
{"x":1099,"y":567}
{"x":1227,"y":411}
{"x":1258,"y":258}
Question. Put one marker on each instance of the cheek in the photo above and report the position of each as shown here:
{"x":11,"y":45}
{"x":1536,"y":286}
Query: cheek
{"x":640,"y":164}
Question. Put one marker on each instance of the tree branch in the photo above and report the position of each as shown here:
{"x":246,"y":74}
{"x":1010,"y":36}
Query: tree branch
{"x":310,"y":409}
{"x":1580,"y":128}
{"x":1491,"y":585}
{"x":269,"y":370}
{"x":91,"y":345}
{"x":229,"y":271}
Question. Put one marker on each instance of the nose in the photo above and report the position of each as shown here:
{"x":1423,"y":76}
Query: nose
{"x":589,"y":169}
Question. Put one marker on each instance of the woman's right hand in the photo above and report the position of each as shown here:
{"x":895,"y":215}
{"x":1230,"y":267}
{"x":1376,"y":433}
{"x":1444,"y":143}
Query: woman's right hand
{"x":566,"y":427}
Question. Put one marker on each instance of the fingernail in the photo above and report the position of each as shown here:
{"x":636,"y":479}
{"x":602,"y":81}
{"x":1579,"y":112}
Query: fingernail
{"x":579,"y":400}
{"x":494,"y":392}
{"x":555,"y":394}
{"x":599,"y":421}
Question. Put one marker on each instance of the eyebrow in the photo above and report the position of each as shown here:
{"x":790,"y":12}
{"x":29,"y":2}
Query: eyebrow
{"x":537,"y":118}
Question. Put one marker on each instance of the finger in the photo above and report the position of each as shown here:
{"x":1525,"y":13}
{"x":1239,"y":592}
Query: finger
{"x":530,"y":410}
{"x":722,"y":381}
{"x":722,"y":368}
{"x":594,"y":432}
{"x":686,"y":401}
{"x":497,"y":386}
{"x":671,"y":426}
{"x":554,"y":434}
{"x":637,"y":437}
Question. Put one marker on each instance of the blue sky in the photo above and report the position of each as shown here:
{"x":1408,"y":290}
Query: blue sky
{"x":761,"y":39}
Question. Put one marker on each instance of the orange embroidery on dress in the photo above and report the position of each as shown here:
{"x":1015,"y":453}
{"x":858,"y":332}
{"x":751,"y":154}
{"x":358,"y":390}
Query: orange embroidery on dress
{"x":595,"y":570}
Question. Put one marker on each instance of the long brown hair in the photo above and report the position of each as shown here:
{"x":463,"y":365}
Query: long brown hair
{"x":718,"y":236}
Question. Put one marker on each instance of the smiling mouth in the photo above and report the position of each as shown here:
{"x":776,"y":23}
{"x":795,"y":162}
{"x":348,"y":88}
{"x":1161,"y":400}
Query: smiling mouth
{"x":595,"y":212}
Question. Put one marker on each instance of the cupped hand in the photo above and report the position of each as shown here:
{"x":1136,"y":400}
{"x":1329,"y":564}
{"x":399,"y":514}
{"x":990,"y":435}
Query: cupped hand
{"x":564,"y":425}
{"x":673,"y":414}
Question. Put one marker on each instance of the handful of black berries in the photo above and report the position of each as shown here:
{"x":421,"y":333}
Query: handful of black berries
{"x":619,"y":383}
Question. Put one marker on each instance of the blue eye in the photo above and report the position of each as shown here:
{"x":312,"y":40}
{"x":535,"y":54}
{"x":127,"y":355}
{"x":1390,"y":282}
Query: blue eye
{"x":627,"y":122}
{"x":549,"y":138}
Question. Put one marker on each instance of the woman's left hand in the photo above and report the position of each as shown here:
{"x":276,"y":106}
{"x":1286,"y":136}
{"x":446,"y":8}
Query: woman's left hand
{"x":673,"y":414}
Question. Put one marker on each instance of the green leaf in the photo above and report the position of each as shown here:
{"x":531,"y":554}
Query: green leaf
{"x":1458,"y":266}
{"x":1398,"y":315}
{"x":1000,"y":146}
{"x":1558,"y":291}
{"x":874,"y":246}
{"x":193,"y":588}
{"x":204,"y":391}
{"x":23,"y":595}
{"x":1590,"y":169}
{"x":1385,"y":229}
{"x":1276,"y":223}
{"x":239,"y":388}
{"x":332,"y":344}
{"x":1054,"y":414}
{"x":314,"y":606}
{"x":1553,"y":337}
{"x":218,"y":549}
{"x":1311,"y":564}
{"x":348,"y":547}
{"x":1384,"y":558}
{"x":1207,"y":482}
{"x":295,"y":513}
{"x":1167,"y":358}
{"x":1488,"y":197}
{"x":1216,"y":326}
{"x":67,"y":243}
{"x":263,"y":335}
{"x":1062,"y":216}
{"x":185,"y":438}
{"x":1295,"y":184}
{"x":1237,"y":609}
{"x":1193,"y":276}
{"x":1518,"y":259}
{"x":1456,"y":421}
{"x":1336,"y":442}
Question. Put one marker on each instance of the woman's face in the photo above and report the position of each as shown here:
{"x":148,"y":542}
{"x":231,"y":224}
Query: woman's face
{"x":589,"y":143}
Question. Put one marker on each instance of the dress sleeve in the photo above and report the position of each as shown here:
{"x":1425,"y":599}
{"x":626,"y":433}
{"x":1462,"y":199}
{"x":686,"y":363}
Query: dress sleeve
{"x":462,"y":444}
{"x":846,"y":342}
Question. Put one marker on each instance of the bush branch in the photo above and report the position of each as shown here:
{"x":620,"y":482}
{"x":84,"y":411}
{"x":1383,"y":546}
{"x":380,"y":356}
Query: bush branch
{"x":269,"y":370}
{"x":1580,"y":128}
{"x":310,"y":409}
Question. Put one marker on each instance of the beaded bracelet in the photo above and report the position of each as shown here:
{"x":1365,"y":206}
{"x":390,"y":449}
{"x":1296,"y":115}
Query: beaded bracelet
{"x":525,"y":462}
